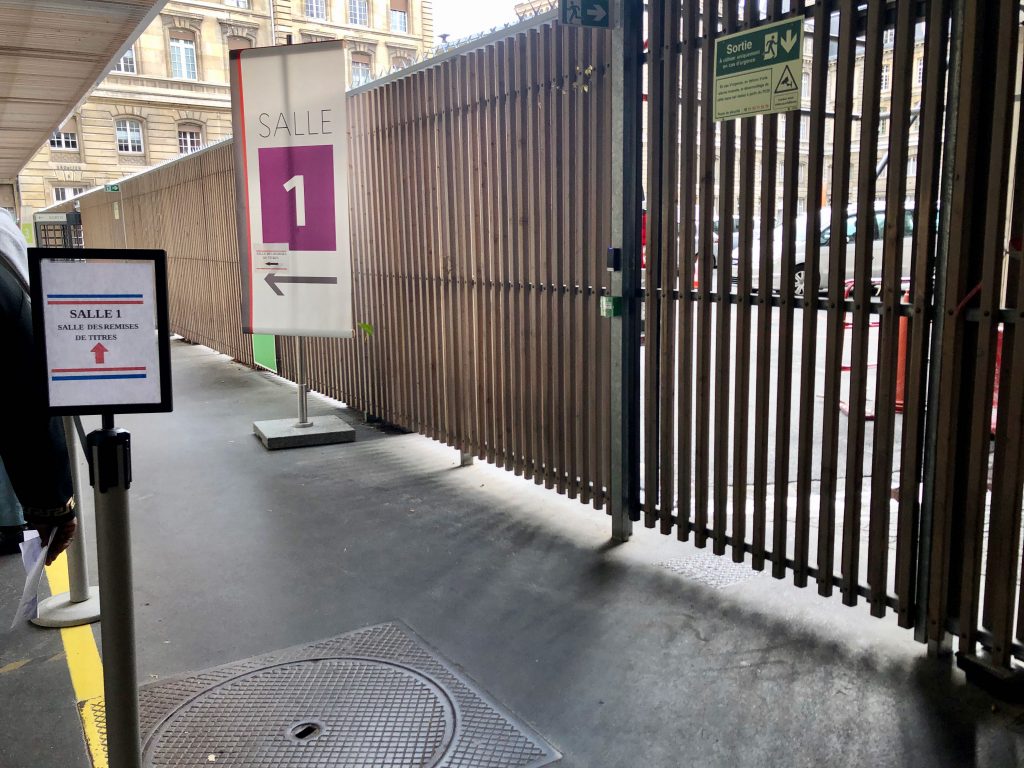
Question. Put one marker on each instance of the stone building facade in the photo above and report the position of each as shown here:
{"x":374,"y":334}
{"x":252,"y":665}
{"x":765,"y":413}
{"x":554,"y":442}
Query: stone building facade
{"x":170,"y":94}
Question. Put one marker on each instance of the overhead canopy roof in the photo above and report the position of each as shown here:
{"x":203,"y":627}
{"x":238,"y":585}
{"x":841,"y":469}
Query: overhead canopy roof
{"x":52,"y":52}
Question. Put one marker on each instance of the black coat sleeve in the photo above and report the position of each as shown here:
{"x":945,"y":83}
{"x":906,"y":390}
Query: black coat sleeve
{"x":31,"y":442}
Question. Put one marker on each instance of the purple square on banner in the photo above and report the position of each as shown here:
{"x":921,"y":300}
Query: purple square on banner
{"x":297,"y":197}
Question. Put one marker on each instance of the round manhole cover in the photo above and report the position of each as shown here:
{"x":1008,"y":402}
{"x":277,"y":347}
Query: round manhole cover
{"x":337,"y":712}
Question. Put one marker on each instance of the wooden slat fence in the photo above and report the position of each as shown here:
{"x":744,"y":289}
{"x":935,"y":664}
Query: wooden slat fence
{"x":819,"y":377}
{"x":479,"y":188}
{"x":825,"y":406}
{"x":188,"y":209}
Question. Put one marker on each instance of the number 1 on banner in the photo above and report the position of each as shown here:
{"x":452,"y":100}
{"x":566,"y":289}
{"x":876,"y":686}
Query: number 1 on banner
{"x":306,"y":222}
{"x":298,"y":184}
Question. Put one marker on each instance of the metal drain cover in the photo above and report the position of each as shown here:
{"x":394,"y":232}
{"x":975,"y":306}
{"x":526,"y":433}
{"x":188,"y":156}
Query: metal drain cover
{"x":350,"y":712}
{"x":375,"y":697}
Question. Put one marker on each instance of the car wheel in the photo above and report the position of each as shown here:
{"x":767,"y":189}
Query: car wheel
{"x":798,"y":280}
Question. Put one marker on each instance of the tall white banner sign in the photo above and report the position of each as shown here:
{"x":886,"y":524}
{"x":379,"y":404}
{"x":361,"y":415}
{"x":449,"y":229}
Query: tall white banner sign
{"x":288,"y":110}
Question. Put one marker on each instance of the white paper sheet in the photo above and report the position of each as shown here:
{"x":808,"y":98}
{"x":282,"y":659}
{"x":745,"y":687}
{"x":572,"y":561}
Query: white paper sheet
{"x":33,"y":557}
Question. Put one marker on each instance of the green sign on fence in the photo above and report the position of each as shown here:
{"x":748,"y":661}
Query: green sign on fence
{"x":759,"y":71}
{"x":264,"y":350}
{"x":585,"y":13}
{"x":111,"y":188}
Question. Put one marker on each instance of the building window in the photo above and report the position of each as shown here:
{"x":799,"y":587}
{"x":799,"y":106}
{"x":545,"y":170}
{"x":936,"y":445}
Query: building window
{"x":886,"y":77}
{"x":183,"y":56}
{"x":399,"y":21}
{"x":129,"y":136}
{"x":400,"y":16}
{"x":883,"y":126}
{"x":399,"y":62}
{"x":126,"y":63}
{"x":316,"y":9}
{"x":360,"y":69}
{"x":237,"y":3}
{"x":190,"y":139}
{"x":64,"y":140}
{"x":912,"y":167}
{"x":889,"y":38}
{"x":359,"y":12}
{"x":62,"y":194}
{"x":920,"y":70}
{"x":805,"y":86}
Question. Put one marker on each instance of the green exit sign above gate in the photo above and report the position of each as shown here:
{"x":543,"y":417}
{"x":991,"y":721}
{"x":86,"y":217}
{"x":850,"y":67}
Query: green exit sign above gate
{"x":585,"y":13}
{"x":759,"y":71}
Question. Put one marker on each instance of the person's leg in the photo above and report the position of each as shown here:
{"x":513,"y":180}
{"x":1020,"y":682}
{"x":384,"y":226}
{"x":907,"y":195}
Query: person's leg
{"x":11,"y":521}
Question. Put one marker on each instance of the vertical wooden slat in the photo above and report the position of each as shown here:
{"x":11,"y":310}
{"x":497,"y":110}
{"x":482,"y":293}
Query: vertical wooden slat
{"x":812,"y":252}
{"x":381,"y":381}
{"x":428,"y":111}
{"x":389,"y":377}
{"x":445,"y":151}
{"x":545,"y":253}
{"x":535,"y":238}
{"x":464,"y":205}
{"x":657,"y":211}
{"x":723,"y":310}
{"x":921,"y":297}
{"x":601,"y":115}
{"x":834,"y":334}
{"x":688,"y":135}
{"x":506,"y":240}
{"x":765,"y":335}
{"x":1001,"y":26}
{"x":391,"y":282}
{"x":536,"y":257}
{"x":861,"y":303}
{"x":478,"y":254}
{"x":783,"y":431}
{"x":523,"y":151}
{"x":1013,"y":343}
{"x":571,"y":250}
{"x":891,"y":295}
{"x":597,"y":133}
{"x":702,"y":405}
{"x":420,"y":246}
{"x":404,"y":287}
{"x":670,"y":266}
{"x":748,"y":149}
{"x":588,"y":278}
{"x":495,"y":291}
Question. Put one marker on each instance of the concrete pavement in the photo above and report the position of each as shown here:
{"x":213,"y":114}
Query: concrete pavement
{"x":616,"y":659}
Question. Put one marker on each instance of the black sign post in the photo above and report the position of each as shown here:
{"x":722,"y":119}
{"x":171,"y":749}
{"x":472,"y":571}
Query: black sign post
{"x":102,"y":337}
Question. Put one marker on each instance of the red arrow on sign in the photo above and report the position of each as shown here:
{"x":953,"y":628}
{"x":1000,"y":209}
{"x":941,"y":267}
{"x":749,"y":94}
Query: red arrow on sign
{"x":99,"y":350}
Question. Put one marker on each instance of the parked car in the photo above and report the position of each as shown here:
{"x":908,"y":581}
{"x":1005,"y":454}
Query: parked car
{"x":877,"y":228}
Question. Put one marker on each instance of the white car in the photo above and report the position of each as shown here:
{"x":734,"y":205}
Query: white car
{"x":877,"y":225}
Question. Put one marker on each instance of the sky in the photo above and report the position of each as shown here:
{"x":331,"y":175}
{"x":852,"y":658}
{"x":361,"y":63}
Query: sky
{"x":461,"y":18}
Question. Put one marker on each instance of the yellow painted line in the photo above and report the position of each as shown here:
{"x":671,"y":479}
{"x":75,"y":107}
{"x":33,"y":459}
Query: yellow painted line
{"x":86,"y":671}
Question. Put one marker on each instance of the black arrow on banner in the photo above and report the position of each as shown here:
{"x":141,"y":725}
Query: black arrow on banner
{"x":273,"y":279}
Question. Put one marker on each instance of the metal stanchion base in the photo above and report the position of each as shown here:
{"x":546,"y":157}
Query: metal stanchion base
{"x":284,"y":433}
{"x":59,"y":611}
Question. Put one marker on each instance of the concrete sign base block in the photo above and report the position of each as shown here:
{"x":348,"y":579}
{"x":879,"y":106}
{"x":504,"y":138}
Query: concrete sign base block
{"x":59,"y":611}
{"x":285,"y":433}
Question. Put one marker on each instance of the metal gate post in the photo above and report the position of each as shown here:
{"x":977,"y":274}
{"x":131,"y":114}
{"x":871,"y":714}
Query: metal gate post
{"x":627,"y":103}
